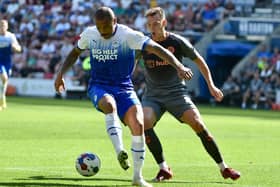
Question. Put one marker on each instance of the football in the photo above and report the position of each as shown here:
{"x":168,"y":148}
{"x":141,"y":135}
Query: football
{"x":88,"y":164}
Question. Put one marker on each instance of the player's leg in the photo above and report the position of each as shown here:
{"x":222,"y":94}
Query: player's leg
{"x":3,"y":87}
{"x":131,"y":113}
{"x":194,"y":119}
{"x":153,"y":142}
{"x":107,"y":104}
{"x":134,"y":120}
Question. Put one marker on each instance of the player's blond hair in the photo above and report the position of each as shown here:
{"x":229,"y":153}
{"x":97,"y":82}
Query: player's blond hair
{"x":154,"y":11}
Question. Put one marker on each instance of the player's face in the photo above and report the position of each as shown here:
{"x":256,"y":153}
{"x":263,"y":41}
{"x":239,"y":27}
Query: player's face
{"x":105,"y":27}
{"x":3,"y":26}
{"x":155,"y":24}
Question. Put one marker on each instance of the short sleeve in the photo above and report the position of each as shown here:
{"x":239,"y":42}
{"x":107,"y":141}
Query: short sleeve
{"x":187,"y":48}
{"x":13,"y":38}
{"x":136,"y":40}
{"x":83,"y":42}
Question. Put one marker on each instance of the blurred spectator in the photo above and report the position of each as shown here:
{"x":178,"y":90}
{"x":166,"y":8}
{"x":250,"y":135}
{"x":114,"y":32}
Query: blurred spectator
{"x":67,"y":46}
{"x":179,"y":24}
{"x":48,"y":47}
{"x":275,"y":55}
{"x":253,"y":92}
{"x":189,"y":13}
{"x":277,"y":65}
{"x":63,"y":26}
{"x":231,"y":91}
{"x":229,"y":9}
{"x":266,"y":71}
{"x":78,"y":76}
{"x":251,"y":67}
{"x":266,"y":93}
{"x":209,"y":15}
{"x":264,"y":52}
{"x":197,"y":23}
{"x":54,"y":61}
{"x":140,"y":21}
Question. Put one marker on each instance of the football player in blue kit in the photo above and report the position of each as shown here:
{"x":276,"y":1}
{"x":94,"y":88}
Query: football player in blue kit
{"x":112,"y":52}
{"x":8,"y":45}
{"x":165,"y":91}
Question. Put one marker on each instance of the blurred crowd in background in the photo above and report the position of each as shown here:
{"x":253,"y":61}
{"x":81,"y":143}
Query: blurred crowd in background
{"x":256,"y":85}
{"x":48,"y":29}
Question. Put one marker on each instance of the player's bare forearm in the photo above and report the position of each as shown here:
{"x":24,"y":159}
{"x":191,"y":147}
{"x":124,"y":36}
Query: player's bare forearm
{"x":204,"y":70}
{"x":16,"y":48}
{"x":163,"y":54}
{"x":69,"y":61}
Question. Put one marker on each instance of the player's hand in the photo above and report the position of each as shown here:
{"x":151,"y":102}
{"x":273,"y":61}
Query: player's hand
{"x":216,"y":93}
{"x":185,"y":73}
{"x":59,"y":84}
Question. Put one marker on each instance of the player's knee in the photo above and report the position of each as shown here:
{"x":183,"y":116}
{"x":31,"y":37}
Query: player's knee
{"x":4,"y":79}
{"x":197,"y":125}
{"x":148,"y":124}
{"x":107,"y":106}
{"x":138,"y":129}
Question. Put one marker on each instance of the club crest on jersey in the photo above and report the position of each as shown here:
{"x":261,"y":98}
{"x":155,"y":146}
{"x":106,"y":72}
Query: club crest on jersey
{"x":171,"y":49}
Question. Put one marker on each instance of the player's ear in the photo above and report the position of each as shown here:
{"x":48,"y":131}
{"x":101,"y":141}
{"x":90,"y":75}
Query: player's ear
{"x":115,"y":20}
{"x":164,"y":23}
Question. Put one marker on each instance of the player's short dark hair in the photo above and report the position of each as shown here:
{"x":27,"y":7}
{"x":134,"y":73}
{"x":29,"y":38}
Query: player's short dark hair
{"x":104,"y":13}
{"x":155,"y":10}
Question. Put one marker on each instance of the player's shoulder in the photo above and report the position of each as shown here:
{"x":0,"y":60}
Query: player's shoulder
{"x":90,"y":29}
{"x":179,"y":38}
{"x":9,"y":34}
{"x":89,"y":32}
{"x":123,"y":27}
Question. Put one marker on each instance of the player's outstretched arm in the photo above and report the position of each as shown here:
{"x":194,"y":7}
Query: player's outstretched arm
{"x":69,"y":61}
{"x":204,"y":70}
{"x":16,"y":47}
{"x":183,"y":72}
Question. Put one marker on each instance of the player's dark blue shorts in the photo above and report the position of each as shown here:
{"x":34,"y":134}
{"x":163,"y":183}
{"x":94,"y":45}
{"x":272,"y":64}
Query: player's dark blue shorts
{"x":5,"y":68}
{"x":125,"y":98}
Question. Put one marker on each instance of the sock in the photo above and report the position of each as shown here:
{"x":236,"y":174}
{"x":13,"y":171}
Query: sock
{"x":138,"y":155}
{"x":210,"y":146}
{"x":154,"y":145}
{"x":163,"y":165}
{"x":114,"y":131}
{"x":3,"y":88}
{"x":222,"y":165}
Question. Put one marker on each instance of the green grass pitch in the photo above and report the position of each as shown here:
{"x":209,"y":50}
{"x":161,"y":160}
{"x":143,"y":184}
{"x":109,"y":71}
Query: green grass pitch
{"x":41,"y":138}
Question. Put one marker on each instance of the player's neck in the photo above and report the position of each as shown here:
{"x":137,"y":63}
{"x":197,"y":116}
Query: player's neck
{"x":160,"y":36}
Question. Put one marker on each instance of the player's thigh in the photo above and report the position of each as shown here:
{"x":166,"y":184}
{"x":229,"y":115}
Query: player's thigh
{"x":134,"y":119}
{"x":185,"y":111}
{"x":153,"y":110}
{"x":4,"y":71}
{"x":102,"y":99}
{"x":149,"y":117}
{"x":193,"y":118}
{"x":178,"y":105}
{"x":125,"y":99}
